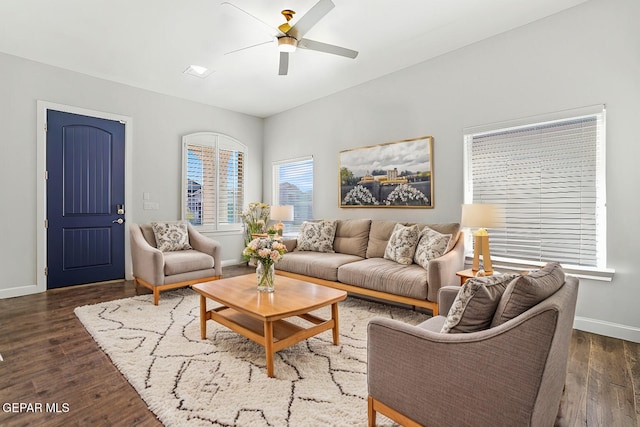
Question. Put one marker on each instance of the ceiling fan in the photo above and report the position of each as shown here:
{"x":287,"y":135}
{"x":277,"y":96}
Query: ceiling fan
{"x":289,"y":38}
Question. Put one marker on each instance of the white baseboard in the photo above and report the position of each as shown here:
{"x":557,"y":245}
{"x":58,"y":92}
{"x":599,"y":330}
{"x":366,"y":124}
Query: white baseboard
{"x":20,"y":291}
{"x":609,"y":329}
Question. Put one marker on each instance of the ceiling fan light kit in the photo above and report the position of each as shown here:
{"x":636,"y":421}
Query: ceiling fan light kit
{"x":287,"y":44}
{"x":291,"y":37}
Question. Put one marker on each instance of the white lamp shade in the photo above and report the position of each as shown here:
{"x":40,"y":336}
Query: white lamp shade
{"x":282,"y":213}
{"x":480,"y":215}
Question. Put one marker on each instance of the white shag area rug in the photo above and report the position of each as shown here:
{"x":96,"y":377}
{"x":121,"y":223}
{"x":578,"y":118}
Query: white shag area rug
{"x":222,"y":381}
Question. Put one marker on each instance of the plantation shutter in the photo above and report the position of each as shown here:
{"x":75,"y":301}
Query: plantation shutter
{"x":293,"y":185}
{"x":549,"y":177}
{"x":213,"y":189}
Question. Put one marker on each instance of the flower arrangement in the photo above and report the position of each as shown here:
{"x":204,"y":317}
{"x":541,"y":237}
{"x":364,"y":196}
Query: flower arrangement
{"x":406,"y":195}
{"x":255,"y":219}
{"x":272,"y":231}
{"x":266,"y":252}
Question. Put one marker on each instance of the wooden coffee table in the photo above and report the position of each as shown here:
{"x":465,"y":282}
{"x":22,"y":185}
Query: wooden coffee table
{"x":260,"y":316}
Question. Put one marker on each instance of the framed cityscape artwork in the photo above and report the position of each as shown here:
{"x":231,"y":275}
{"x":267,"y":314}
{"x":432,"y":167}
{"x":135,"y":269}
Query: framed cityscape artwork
{"x":392,"y":175}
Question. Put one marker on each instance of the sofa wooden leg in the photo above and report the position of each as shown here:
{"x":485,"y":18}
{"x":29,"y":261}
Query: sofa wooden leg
{"x":156,"y":296}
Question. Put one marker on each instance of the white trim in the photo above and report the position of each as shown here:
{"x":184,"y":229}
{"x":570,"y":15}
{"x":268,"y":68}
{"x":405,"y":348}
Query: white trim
{"x":41,"y":162}
{"x":609,"y":329}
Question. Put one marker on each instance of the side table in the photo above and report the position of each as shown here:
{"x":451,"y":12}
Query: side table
{"x":468,"y":274}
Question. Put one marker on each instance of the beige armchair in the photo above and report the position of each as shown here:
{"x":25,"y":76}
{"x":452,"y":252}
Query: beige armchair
{"x":512,"y":374}
{"x":161,"y":271}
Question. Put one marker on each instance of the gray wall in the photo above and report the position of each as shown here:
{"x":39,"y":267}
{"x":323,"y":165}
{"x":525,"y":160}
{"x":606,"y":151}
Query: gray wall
{"x":584,"y":56}
{"x":159,"y":122}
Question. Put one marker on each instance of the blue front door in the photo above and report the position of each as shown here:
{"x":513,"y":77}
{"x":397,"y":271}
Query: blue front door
{"x":85,"y":199}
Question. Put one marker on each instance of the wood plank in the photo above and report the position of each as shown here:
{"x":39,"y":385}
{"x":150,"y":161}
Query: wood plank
{"x":632,"y":357}
{"x":573,"y":405}
{"x":610,"y":397}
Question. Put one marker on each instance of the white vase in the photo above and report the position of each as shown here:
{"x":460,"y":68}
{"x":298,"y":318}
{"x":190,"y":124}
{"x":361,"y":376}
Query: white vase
{"x":265,"y":276}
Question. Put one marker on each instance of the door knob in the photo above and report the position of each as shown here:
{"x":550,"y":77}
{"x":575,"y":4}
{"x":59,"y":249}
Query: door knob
{"x":118,"y":221}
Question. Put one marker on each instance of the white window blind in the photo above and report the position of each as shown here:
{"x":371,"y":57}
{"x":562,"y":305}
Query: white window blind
{"x":549,"y":177}
{"x":213,"y":180}
{"x":293,"y":185}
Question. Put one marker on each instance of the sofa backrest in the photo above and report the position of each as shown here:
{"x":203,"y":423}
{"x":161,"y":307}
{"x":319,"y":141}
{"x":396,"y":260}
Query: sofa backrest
{"x":147,"y":233}
{"x":381,"y":232}
{"x":352,"y":236}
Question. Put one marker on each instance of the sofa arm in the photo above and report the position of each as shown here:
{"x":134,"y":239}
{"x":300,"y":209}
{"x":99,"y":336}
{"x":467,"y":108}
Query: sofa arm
{"x":446,"y":296}
{"x":442,"y":379}
{"x":147,"y":261}
{"x":290,"y":243}
{"x":202,"y":243}
{"x":442,"y":270}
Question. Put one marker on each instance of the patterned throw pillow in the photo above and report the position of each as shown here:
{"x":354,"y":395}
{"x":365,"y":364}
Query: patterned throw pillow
{"x":317,"y":236}
{"x":171,"y":236}
{"x":402,"y":244}
{"x":431,"y":245}
{"x":476,"y":303}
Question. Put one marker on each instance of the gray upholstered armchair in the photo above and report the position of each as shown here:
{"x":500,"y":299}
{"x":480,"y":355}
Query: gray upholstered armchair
{"x":158,"y":270}
{"x":512,"y":374}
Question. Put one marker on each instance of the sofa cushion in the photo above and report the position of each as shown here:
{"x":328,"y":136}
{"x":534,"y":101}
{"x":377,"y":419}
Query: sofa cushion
{"x":402,"y":244}
{"x":387,"y":276}
{"x":312,"y":264}
{"x":171,"y":236}
{"x":378,"y":237}
{"x":527,"y":291}
{"x":476,"y":303}
{"x":431,"y":245}
{"x":177,"y":262}
{"x":147,"y":233}
{"x":317,"y":236}
{"x":352,"y":237}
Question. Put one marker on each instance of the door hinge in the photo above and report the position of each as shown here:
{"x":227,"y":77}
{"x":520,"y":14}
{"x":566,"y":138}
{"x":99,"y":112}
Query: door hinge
{"x":46,"y":223}
{"x":46,"y":127}
{"x":46,"y":175}
{"x":46,"y":271}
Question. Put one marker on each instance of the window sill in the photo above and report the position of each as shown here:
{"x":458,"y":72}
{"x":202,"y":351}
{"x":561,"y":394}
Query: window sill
{"x":581,"y":272}
{"x":225,"y":232}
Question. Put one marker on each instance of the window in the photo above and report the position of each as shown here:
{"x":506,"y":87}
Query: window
{"x":549,"y":177}
{"x":213,"y":180}
{"x":293,"y":185}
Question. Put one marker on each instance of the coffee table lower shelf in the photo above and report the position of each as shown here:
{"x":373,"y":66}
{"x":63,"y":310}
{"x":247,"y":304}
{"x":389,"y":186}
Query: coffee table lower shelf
{"x":273,"y":335}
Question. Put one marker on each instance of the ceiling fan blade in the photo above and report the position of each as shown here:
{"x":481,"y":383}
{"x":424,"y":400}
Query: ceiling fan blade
{"x":273,"y":31}
{"x":284,"y":64}
{"x":311,"y":18}
{"x":327,"y":48}
{"x":249,"y":47}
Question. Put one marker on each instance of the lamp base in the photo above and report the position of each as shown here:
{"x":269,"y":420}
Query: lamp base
{"x":481,"y":246}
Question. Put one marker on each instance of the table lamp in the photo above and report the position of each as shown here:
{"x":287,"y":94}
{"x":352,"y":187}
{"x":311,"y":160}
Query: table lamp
{"x":281,"y":213}
{"x":481,"y":216}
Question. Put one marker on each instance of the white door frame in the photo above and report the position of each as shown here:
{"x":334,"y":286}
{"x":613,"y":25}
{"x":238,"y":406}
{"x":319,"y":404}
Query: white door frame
{"x":42,"y":108}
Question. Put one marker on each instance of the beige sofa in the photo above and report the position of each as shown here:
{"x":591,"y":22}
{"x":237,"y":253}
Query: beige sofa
{"x":358,"y":266}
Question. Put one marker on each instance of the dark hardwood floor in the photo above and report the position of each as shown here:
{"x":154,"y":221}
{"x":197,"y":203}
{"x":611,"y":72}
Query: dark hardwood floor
{"x":49,"y":358}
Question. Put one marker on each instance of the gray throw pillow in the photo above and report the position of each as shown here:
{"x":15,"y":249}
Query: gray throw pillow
{"x":476,"y":303}
{"x":171,"y":236}
{"x":402,"y":244}
{"x":431,"y":245}
{"x":317,"y":236}
{"x":527,"y":291}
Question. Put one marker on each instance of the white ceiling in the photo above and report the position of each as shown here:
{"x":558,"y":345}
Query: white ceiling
{"x":149,"y":43}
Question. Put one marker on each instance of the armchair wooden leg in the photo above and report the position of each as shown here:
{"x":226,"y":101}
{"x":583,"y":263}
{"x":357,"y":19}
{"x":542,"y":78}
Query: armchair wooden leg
{"x":371,"y":412}
{"x":156,"y":295}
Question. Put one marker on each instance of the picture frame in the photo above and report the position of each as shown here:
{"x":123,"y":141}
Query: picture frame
{"x":390,"y":175}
